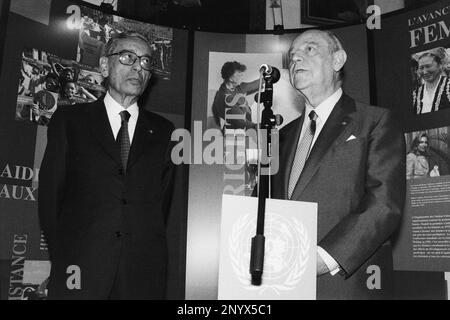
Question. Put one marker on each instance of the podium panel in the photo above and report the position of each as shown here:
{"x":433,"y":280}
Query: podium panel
{"x":290,"y":231}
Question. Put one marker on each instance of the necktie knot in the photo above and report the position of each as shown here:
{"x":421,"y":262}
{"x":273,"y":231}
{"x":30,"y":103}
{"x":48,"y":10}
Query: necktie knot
{"x":125,"y":115}
{"x":313,"y":115}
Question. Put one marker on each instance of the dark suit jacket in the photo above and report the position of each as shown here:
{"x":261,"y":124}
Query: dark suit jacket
{"x":359,"y":186}
{"x":95,"y":216}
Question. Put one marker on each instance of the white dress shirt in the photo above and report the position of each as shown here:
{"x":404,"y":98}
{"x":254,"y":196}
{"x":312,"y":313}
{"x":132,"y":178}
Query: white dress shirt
{"x":427,"y":100}
{"x":113,"y":109}
{"x":323,"y":111}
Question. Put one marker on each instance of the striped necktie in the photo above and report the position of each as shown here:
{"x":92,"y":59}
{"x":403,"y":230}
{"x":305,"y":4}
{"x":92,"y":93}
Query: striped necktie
{"x":301,"y":154}
{"x":123,"y":138}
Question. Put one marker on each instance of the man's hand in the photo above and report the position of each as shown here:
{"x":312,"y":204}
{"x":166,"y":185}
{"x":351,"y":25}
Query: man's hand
{"x":321,"y":266}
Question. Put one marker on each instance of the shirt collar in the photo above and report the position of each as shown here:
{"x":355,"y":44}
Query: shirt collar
{"x":324,"y":109}
{"x":114,"y":108}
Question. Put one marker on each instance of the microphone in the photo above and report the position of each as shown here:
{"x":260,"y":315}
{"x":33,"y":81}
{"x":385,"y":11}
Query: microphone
{"x":270,"y":72}
{"x":266,"y":68}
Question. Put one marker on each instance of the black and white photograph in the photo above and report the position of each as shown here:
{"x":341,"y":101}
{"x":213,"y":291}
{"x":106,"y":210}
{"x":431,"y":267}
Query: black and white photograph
{"x":47,"y":81}
{"x":233,"y":83}
{"x":428,"y":153}
{"x":430,"y":71}
{"x":211,"y":151}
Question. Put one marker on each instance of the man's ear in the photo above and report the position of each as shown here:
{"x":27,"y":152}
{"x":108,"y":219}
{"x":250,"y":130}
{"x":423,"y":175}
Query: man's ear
{"x":339,"y":59}
{"x":103,"y":62}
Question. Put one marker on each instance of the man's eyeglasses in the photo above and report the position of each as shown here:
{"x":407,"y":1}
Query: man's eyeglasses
{"x":128,"y":58}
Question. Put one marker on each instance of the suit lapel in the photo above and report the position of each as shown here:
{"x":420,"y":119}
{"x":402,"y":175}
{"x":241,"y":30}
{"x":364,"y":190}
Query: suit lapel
{"x":101,"y":130}
{"x":336,"y":124}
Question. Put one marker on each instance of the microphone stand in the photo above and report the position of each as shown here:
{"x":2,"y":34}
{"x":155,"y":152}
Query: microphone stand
{"x":268,"y":122}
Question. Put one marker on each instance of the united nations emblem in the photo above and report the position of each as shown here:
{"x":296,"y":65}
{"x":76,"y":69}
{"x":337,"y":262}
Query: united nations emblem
{"x":287,"y":248}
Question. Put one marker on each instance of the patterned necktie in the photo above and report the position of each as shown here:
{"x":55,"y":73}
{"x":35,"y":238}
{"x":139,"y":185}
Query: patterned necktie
{"x":301,"y":154}
{"x":124,"y":138}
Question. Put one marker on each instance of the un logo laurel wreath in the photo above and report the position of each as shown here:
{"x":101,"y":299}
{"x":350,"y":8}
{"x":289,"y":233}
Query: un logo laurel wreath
{"x":239,"y":244}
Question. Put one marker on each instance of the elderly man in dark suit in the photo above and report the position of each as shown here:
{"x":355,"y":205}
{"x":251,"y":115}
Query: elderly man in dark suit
{"x":349,"y":158}
{"x":105,"y":185}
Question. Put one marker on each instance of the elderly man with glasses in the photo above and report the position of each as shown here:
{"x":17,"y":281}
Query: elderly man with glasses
{"x":105,"y":184}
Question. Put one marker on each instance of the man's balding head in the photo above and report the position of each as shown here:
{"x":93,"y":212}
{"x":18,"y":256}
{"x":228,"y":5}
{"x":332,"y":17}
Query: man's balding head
{"x":316,"y":61}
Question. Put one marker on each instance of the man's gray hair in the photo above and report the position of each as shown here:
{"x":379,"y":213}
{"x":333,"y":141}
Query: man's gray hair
{"x":333,"y":41}
{"x":335,"y":45}
{"x":115,"y":37}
